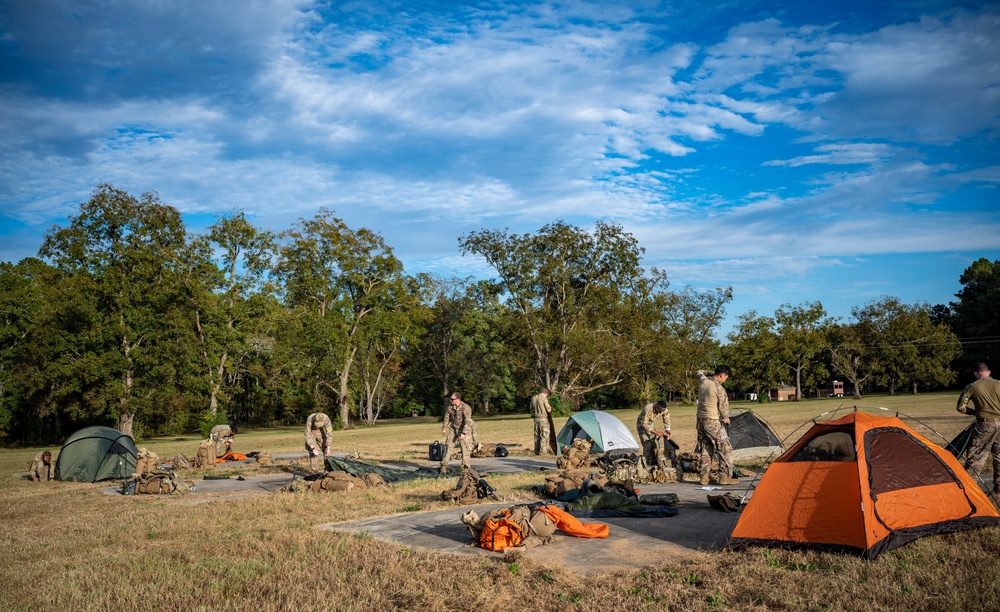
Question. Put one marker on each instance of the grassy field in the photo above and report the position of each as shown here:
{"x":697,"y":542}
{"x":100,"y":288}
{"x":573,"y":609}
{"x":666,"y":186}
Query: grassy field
{"x":69,"y":545}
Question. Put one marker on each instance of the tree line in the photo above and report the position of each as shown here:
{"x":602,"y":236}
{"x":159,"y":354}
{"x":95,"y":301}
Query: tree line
{"x":127,"y":319}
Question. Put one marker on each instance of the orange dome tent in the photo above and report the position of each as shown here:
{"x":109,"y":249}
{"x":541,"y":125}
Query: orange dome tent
{"x":864,"y":484}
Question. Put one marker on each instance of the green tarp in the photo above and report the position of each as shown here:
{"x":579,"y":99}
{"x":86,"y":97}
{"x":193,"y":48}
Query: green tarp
{"x":96,"y":453}
{"x":359,"y":468}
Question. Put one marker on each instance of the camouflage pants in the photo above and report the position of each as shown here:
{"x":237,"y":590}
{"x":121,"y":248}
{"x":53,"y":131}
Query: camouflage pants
{"x":542,"y":437}
{"x":985,"y":442}
{"x":453,"y":440}
{"x":714,"y":443}
{"x":651,"y":451}
{"x":319,"y":439}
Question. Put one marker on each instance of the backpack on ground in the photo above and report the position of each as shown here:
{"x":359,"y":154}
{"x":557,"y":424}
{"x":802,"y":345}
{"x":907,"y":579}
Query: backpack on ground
{"x":206,"y":455}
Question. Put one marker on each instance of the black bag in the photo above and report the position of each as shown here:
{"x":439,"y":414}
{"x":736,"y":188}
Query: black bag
{"x":435,"y":451}
{"x":501,"y":451}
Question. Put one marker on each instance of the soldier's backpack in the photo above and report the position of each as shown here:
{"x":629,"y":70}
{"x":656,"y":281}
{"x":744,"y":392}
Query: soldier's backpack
{"x":181,"y":462}
{"x":146,"y":462}
{"x":435,"y":451}
{"x":465,"y":491}
{"x":500,"y":534}
{"x":206,"y":455}
{"x":156,"y":483}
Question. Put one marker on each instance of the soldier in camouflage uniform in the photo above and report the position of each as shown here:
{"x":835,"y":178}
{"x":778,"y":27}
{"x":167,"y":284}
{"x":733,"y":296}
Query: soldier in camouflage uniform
{"x":222,"y":437}
{"x":982,"y":399}
{"x":713,"y":416}
{"x":41,"y":467}
{"x":648,"y":435}
{"x":319,"y":434}
{"x":540,"y":411}
{"x":458,"y":416}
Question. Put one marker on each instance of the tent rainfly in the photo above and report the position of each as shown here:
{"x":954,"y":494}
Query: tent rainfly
{"x":96,"y":453}
{"x":751,"y":437}
{"x":607,"y":432}
{"x":960,"y":443}
{"x":863,"y":484}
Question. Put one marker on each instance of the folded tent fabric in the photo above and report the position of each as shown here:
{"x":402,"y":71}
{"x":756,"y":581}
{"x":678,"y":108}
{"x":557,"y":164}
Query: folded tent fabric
{"x":231,"y":456}
{"x":570,"y":525}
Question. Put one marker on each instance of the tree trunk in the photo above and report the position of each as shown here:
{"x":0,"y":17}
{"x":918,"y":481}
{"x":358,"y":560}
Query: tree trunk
{"x":125,"y":423}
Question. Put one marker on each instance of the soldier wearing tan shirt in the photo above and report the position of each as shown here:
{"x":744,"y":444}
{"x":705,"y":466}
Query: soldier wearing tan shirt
{"x":713,"y":416}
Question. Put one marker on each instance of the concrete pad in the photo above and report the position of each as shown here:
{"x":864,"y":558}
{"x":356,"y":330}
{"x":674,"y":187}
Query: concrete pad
{"x":632,"y":543}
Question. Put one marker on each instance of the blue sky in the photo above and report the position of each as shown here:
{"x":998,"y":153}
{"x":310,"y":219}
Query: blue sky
{"x":797,"y":151}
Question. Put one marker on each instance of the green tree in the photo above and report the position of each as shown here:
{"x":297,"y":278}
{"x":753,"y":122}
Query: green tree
{"x":692,"y":320}
{"x":226,"y":299}
{"x":337,"y":279}
{"x":802,"y":332}
{"x":125,"y":253}
{"x":484,"y":359}
{"x":911,"y":349}
{"x":753,"y":351}
{"x":566,"y":286}
{"x":851,"y":354}
{"x":977,"y":312}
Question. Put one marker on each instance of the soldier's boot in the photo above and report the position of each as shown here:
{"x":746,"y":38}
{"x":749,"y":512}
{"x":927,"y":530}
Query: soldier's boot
{"x":705,"y":478}
{"x":726,"y":480}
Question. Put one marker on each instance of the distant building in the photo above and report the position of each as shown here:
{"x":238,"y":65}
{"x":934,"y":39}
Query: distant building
{"x":782,"y":394}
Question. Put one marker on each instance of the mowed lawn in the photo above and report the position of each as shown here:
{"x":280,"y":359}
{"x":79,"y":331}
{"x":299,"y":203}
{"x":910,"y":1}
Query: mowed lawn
{"x":72,"y":546}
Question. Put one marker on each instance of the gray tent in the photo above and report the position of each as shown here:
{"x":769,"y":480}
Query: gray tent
{"x":607,"y":432}
{"x":96,"y":453}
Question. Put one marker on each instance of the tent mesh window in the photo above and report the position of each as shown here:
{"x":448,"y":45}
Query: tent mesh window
{"x":897,"y":461}
{"x":830,"y":446}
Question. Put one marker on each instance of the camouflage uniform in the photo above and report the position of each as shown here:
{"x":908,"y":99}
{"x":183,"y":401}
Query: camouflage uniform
{"x":982,"y":398}
{"x":457,"y":422}
{"x":39,"y":470}
{"x":222,"y":438}
{"x":540,"y":411}
{"x":319,"y":434}
{"x":713,"y":411}
{"x":647,"y":434}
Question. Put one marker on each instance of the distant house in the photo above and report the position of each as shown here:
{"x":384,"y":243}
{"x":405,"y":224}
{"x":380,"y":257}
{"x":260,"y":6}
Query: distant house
{"x":782,"y":394}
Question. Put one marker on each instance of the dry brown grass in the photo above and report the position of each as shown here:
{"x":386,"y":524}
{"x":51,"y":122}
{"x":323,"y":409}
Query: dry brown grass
{"x":70,"y":546}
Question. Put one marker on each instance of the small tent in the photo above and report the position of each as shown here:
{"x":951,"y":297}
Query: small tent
{"x":863,"y":484}
{"x":960,"y":443}
{"x":752,"y":437}
{"x":96,"y":453}
{"x":607,"y":432}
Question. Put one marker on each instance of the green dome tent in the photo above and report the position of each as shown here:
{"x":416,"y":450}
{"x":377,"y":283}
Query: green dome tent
{"x":96,"y":453}
{"x":607,"y":432}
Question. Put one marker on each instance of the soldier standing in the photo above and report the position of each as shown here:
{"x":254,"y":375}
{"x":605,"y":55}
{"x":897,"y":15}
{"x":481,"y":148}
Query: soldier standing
{"x":540,"y":413}
{"x":648,"y":436}
{"x":41,"y":467}
{"x":319,"y":434}
{"x":713,"y":416}
{"x":982,"y":399}
{"x":459,"y":416}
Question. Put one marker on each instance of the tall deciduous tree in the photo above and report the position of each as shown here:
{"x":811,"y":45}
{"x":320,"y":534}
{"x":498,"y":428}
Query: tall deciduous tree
{"x":126,"y":249}
{"x":565,"y":284}
{"x":801,"y":339}
{"x":338,"y":278}
{"x":753,"y":352}
{"x":226,"y":299}
{"x":692,"y":320}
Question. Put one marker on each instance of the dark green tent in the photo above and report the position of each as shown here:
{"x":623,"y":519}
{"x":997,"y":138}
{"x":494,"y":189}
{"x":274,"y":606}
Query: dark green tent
{"x":96,"y":453}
